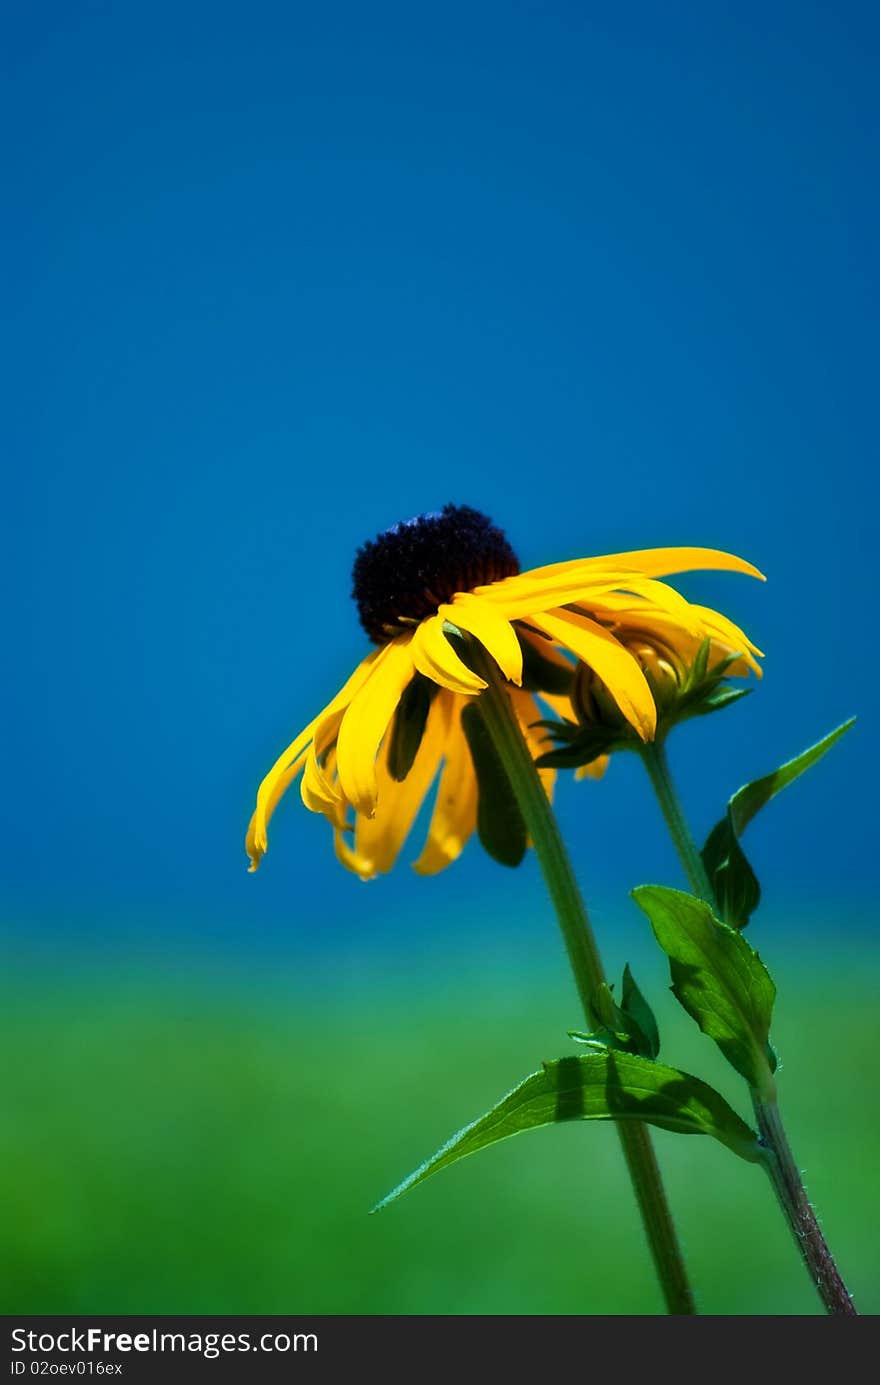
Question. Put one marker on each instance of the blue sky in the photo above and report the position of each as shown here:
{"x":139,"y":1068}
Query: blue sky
{"x":282,"y":275}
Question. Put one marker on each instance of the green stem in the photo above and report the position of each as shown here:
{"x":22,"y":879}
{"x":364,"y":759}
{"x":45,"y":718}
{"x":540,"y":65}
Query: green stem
{"x":653,"y":754}
{"x":780,"y":1164}
{"x":586,"y":964}
{"x":792,"y":1196}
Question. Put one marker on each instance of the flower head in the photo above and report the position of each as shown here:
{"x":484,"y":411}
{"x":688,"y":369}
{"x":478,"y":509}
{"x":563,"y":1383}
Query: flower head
{"x":424,"y":590}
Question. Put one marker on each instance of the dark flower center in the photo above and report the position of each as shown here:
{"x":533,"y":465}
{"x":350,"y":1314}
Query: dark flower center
{"x":403,"y":575}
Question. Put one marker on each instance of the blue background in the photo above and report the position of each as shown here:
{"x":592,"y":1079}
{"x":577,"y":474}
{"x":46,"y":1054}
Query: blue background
{"x":280,"y":275}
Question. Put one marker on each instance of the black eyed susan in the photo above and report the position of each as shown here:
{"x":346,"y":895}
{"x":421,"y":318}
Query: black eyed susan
{"x":427,"y":590}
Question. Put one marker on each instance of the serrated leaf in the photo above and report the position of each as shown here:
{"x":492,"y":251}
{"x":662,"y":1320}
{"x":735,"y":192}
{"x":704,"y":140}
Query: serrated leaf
{"x":500,"y":823}
{"x":716,"y":977}
{"x":601,"y":1086}
{"x":734,"y":882}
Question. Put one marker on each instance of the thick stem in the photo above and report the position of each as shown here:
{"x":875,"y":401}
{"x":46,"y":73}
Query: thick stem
{"x":780,"y":1164}
{"x":586,"y":964}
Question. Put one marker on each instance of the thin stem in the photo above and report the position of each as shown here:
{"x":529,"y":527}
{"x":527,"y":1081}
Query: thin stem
{"x":780,"y":1163}
{"x":586,"y":964}
{"x":653,"y":754}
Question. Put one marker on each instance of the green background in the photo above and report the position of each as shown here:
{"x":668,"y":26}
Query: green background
{"x":200,"y":1136}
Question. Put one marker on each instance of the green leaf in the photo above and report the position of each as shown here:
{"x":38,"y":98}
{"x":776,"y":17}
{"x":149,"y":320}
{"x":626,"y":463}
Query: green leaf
{"x":746,"y":802}
{"x":734,"y":882}
{"x":626,"y":1028}
{"x":408,"y":726}
{"x":717,"y":977}
{"x":500,"y":823}
{"x":614,"y":1029}
{"x":602,"y":1086}
{"x":636,"y":1008}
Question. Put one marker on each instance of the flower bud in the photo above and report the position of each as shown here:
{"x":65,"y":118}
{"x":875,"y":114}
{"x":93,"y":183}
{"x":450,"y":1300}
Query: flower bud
{"x":664,"y":673}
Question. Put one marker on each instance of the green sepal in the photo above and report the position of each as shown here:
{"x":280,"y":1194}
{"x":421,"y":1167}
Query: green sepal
{"x":408,"y":725}
{"x":600,"y":1086}
{"x":576,"y":745}
{"x":540,"y":674}
{"x":734,"y":882}
{"x":704,"y":690}
{"x":710,"y":699}
{"x":500,"y":823}
{"x":719,"y":980}
{"x":637,"y":1009}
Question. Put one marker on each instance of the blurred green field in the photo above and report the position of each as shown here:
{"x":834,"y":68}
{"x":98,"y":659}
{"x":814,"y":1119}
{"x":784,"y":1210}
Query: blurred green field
{"x":178,"y":1139}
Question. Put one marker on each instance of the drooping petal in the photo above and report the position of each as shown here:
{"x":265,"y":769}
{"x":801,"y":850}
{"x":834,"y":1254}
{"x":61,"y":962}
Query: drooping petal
{"x":289,"y":764}
{"x":614,"y":664}
{"x":434,"y":656}
{"x":256,"y":843}
{"x":454,"y":819}
{"x":366,"y":721}
{"x":347,"y":856}
{"x":320,"y":790}
{"x":378,"y":840}
{"x":495,"y":633}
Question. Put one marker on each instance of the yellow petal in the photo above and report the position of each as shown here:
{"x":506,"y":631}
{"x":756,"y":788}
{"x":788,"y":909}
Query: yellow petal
{"x":730,"y":635}
{"x":664,"y":562}
{"x":608,"y":658}
{"x":366,"y":721}
{"x":454,"y":819}
{"x":651,"y":562}
{"x":594,"y":770}
{"x":665,"y":598}
{"x":537,"y":738}
{"x":256,"y":844}
{"x":378,"y":840}
{"x":519,"y":597}
{"x":434,"y":656}
{"x":495,"y":633}
{"x":289,"y":764}
{"x":320,"y":790}
{"x":347,"y":855}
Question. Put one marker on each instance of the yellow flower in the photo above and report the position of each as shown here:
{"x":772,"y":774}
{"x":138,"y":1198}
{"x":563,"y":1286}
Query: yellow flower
{"x":423,"y":589}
